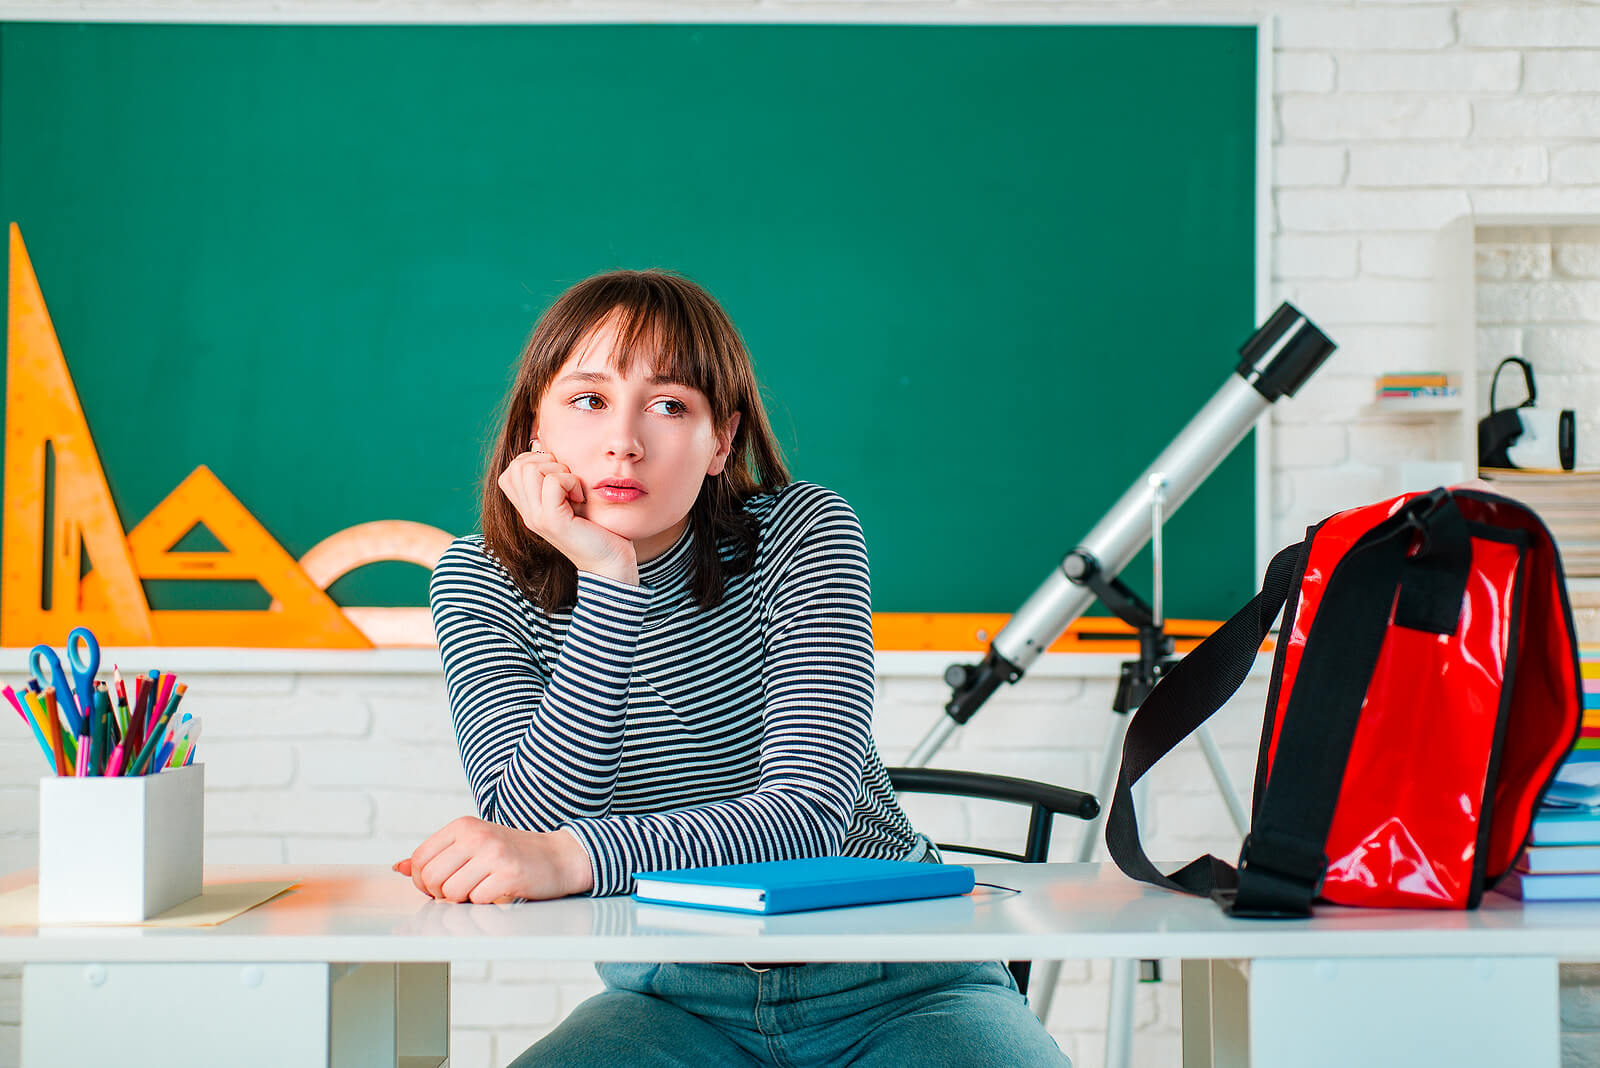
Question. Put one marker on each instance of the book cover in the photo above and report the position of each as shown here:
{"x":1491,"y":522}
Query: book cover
{"x":1565,"y":860}
{"x":1575,"y":827}
{"x":1576,"y":785}
{"x":795,"y":885}
{"x":1550,"y":887}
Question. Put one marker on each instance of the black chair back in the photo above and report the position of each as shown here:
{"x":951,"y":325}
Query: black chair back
{"x":1044,"y":802}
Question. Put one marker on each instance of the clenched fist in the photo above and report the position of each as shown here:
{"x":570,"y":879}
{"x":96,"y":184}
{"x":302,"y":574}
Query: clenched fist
{"x":544,"y":492}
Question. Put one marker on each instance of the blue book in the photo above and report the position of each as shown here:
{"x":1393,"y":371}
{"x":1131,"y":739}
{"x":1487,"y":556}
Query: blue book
{"x":1550,"y":887}
{"x":796,"y":885}
{"x":1576,"y":785}
{"x":1574,"y":827}
{"x":1570,"y":860}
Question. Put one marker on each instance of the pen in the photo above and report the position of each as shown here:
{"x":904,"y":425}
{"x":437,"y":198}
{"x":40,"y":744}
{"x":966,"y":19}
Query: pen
{"x":113,"y":725}
{"x":171,"y":754}
{"x":164,"y":754}
{"x":114,"y":766}
{"x":156,"y":705}
{"x":185,"y":752}
{"x":103,"y":726}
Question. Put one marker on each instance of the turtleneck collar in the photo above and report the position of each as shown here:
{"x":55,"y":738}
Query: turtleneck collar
{"x":669,"y":572}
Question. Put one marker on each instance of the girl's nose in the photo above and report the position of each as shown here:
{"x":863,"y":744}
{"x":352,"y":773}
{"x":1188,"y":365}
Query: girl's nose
{"x":624,"y":440}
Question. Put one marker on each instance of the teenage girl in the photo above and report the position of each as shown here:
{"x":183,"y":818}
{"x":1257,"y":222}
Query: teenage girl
{"x":659,"y":655}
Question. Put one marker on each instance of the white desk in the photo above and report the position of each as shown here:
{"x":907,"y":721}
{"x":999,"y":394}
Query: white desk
{"x":352,"y":967}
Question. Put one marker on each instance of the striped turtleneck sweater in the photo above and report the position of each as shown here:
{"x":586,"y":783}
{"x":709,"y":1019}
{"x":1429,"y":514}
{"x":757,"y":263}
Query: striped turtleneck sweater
{"x":663,"y":735}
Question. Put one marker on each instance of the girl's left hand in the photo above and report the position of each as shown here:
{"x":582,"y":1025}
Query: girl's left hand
{"x":469,"y":859}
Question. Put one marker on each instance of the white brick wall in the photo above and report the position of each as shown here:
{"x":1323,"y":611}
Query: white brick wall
{"x":1390,"y":119}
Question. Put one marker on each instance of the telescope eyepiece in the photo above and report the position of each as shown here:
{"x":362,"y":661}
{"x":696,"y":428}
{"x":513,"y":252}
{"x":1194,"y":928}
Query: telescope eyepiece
{"x":1285,"y":352}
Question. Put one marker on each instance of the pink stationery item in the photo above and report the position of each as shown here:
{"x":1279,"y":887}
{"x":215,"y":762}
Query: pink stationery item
{"x":164,"y":694}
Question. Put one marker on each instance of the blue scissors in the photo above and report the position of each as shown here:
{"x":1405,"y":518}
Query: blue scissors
{"x":83,"y":653}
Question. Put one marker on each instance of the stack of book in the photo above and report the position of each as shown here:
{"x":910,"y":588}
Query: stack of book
{"x":1562,"y":861}
{"x":1410,"y":385}
{"x":1569,"y":504}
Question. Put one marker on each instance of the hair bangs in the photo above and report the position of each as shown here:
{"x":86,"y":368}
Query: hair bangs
{"x":674,"y":340}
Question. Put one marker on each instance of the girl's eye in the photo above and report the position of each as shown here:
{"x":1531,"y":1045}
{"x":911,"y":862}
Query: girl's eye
{"x":589,"y":402}
{"x":671,"y":407}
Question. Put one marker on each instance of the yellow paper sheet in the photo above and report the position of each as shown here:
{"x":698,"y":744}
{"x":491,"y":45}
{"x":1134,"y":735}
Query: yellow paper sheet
{"x":216,"y":904}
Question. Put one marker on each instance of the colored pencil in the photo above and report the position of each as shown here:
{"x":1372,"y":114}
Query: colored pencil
{"x":122,"y":700}
{"x":51,"y":756}
{"x":152,"y":744}
{"x":56,"y":729}
{"x":136,"y":715}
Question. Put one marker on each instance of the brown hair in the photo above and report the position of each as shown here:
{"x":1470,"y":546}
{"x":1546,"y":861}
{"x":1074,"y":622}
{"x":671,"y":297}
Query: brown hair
{"x":684,"y":333}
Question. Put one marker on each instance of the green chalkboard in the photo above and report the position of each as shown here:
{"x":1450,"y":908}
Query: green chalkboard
{"x":986,"y":272}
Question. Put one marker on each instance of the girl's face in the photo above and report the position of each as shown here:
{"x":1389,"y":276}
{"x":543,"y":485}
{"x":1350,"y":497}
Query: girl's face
{"x":640,"y":446}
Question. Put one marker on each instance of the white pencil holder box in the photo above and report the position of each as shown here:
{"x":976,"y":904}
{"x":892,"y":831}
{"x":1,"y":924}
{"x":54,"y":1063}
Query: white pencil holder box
{"x":121,"y":849}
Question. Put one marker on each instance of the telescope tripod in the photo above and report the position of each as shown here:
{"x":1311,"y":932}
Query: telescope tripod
{"x":1273,"y":363}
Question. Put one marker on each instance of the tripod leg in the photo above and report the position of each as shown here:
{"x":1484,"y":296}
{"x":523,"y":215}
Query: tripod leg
{"x":1042,"y":984}
{"x":1110,"y":765}
{"x":1230,"y":796}
{"x":1119,"y":1015}
{"x":930,"y":744}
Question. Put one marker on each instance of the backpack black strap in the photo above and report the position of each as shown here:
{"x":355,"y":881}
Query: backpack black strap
{"x":1282,"y":860}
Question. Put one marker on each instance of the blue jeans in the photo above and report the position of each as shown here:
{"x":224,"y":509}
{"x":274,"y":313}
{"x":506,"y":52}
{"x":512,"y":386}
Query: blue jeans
{"x":961,"y":1015}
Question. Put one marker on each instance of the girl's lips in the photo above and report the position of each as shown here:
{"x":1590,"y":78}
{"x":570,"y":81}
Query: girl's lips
{"x":618,"y":494}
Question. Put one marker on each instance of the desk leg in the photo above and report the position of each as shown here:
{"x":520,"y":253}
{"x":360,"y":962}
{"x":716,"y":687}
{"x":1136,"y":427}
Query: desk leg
{"x":1214,"y":995}
{"x":241,"y":1015}
{"x":1383,"y":1012}
{"x":422,"y":1014}
{"x":388,"y":1015}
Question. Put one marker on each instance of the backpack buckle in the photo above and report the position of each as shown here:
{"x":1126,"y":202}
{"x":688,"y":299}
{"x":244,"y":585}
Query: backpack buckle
{"x":1278,"y":876}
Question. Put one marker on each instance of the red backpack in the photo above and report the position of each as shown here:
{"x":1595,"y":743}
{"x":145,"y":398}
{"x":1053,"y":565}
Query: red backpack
{"x":1424,"y":691}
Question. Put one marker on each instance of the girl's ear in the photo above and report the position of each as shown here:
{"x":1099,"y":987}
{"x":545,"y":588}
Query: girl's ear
{"x":719,"y":459}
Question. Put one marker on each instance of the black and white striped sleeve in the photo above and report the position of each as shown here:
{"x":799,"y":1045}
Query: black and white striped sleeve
{"x":818,"y":685}
{"x":537,"y":750}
